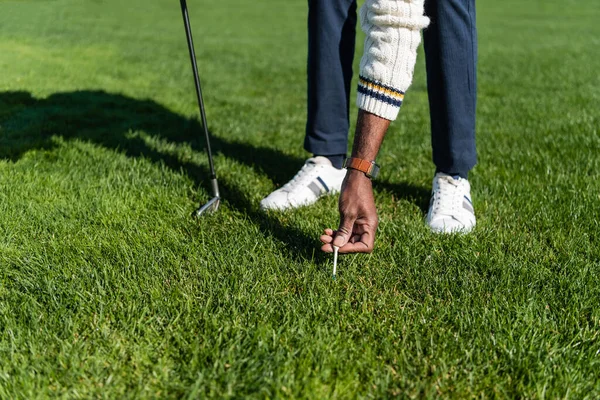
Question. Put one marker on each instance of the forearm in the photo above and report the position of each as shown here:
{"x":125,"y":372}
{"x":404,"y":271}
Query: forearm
{"x":370,"y":131}
{"x":386,"y":68}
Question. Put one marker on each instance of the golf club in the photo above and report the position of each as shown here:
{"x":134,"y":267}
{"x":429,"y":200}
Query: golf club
{"x":213,"y":203}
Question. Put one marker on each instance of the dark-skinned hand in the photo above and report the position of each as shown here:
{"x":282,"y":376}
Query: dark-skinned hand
{"x":358,"y":217}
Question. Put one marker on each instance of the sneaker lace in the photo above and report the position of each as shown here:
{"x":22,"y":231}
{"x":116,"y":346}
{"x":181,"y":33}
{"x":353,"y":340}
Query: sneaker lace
{"x":448,"y":196}
{"x":300,"y":178}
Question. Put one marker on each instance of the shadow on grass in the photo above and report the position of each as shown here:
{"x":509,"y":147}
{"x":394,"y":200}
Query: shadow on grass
{"x":417,"y":195}
{"x":105,"y":119}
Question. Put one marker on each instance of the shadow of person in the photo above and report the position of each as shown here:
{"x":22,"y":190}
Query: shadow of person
{"x":27,"y":123}
{"x":417,"y":195}
{"x":106,"y":119}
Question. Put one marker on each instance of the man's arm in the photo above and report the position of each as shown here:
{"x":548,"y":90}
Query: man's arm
{"x":386,"y":70}
{"x":358,"y":215}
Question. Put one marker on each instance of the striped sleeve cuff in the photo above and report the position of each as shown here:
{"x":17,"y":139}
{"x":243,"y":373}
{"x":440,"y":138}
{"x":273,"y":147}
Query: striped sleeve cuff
{"x":376,"y":98}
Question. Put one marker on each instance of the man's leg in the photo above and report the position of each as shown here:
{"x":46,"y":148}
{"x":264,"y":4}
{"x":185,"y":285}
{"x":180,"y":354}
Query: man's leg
{"x":331,"y":38}
{"x":331,"y":42}
{"x":450,"y":44}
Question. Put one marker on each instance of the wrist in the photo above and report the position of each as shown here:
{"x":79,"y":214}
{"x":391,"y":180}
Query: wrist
{"x":356,"y":178}
{"x":354,"y":173}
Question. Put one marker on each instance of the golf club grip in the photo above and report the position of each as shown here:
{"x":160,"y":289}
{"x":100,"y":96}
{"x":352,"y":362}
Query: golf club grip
{"x":190,"y":42}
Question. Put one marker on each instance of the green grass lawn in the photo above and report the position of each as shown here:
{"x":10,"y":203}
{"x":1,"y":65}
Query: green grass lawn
{"x":108,"y":289}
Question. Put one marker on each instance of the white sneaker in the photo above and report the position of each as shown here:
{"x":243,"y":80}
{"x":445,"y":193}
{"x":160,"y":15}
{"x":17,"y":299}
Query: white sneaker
{"x":317,"y":178}
{"x":450,"y":209}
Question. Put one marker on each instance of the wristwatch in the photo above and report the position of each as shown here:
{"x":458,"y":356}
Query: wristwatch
{"x":370,"y":169}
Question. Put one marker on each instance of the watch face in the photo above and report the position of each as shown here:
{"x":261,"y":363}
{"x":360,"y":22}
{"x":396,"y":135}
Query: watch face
{"x":374,"y":171}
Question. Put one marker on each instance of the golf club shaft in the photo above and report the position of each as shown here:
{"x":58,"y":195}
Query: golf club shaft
{"x":190,"y":42}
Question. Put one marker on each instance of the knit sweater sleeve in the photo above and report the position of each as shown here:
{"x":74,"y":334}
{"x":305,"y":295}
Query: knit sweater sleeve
{"x":393,"y":29}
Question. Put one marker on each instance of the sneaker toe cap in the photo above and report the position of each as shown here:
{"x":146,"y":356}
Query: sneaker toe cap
{"x":275,"y":201}
{"x":449,"y":224}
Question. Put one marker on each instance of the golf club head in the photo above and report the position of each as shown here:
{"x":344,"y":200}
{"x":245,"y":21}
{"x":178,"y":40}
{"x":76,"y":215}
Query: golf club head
{"x":210,"y":207}
{"x":213,"y":204}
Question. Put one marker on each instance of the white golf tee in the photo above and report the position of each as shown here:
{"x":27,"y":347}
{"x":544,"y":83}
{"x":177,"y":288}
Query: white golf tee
{"x":335,"y":257}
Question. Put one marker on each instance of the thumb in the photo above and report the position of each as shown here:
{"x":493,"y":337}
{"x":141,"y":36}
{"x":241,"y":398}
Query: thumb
{"x":344,"y":231}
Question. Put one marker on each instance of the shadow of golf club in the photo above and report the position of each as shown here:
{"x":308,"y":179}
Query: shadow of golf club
{"x":105,"y":119}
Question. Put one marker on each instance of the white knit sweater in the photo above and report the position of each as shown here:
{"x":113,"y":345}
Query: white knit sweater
{"x":393,"y":29}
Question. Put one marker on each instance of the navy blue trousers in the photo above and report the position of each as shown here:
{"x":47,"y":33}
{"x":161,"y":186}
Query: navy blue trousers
{"x":450,"y":44}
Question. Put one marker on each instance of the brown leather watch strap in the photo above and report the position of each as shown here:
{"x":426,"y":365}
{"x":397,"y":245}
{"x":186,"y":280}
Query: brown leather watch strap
{"x":369,"y":168}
